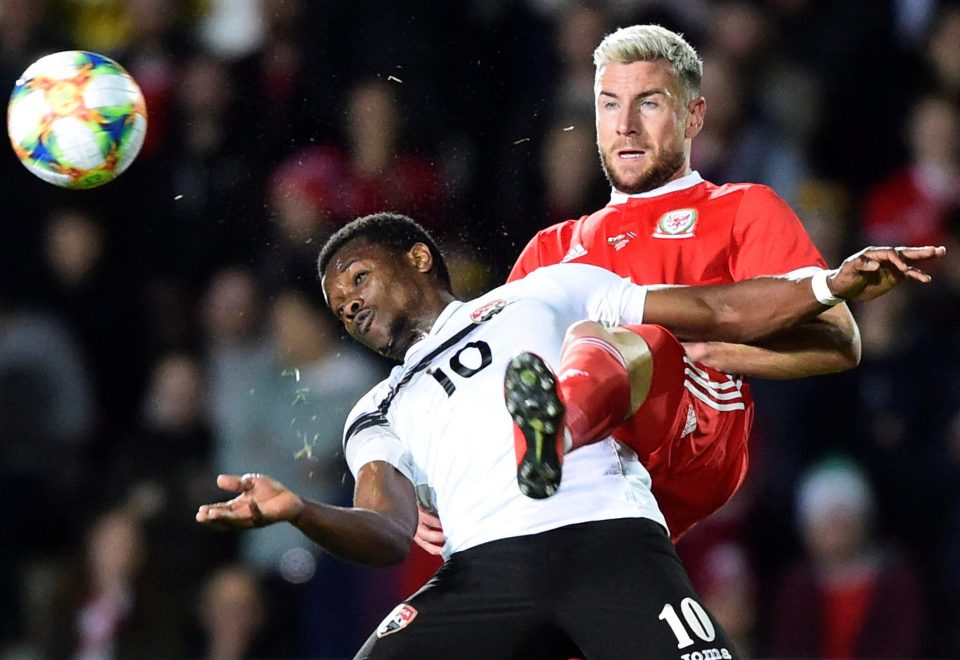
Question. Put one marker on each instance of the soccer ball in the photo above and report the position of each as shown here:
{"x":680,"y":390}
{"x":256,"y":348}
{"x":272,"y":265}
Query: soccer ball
{"x":76,"y":119}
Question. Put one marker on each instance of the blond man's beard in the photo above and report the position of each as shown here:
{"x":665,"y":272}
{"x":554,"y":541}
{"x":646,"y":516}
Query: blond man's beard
{"x":664,"y":167}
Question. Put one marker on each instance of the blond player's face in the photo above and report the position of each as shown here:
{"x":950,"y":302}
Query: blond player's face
{"x":643,"y":124}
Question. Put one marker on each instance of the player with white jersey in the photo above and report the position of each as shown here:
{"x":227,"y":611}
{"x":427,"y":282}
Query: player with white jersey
{"x":436,"y":416}
{"x":589,"y":571}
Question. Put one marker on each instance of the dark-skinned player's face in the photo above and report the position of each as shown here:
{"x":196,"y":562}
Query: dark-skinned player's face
{"x":375,"y":292}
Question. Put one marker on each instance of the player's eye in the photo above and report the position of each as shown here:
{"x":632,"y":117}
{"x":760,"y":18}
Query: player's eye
{"x":359,"y":277}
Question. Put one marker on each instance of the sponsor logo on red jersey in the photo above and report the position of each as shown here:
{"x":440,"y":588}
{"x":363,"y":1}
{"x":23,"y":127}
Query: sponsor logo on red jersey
{"x":401,"y":617}
{"x":620,"y":240}
{"x":678,"y":223}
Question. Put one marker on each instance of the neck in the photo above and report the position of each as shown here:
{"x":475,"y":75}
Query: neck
{"x":434,"y":302}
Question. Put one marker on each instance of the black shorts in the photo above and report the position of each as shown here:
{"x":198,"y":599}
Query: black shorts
{"x":601,"y":590}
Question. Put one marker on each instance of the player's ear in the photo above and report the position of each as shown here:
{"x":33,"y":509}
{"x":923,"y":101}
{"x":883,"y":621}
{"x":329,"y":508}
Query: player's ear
{"x":693,"y":124}
{"x":420,"y":257}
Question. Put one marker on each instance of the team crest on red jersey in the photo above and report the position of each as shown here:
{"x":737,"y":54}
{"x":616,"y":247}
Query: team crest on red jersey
{"x":401,"y":617}
{"x":486,"y":312}
{"x":678,"y":223}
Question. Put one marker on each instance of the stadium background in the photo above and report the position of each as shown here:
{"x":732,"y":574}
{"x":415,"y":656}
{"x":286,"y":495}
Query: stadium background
{"x":167,"y":326}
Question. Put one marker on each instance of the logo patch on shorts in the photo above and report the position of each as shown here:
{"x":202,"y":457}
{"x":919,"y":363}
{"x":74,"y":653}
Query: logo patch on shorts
{"x":678,"y":223}
{"x":401,"y":617}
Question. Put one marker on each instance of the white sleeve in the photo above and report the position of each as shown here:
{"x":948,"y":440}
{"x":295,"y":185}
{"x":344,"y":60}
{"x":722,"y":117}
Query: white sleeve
{"x":800,"y":273}
{"x":597,"y":294}
{"x":368,"y":436}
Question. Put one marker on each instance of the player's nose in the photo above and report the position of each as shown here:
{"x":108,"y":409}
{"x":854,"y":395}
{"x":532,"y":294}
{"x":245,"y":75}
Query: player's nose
{"x":351,"y":308}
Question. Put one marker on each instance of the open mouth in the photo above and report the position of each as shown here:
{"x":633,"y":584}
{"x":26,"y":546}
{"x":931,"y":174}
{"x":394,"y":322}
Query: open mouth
{"x":628,"y":154}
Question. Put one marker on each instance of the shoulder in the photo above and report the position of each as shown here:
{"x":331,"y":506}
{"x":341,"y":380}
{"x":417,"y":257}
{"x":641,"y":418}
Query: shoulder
{"x":755,"y":202}
{"x":558,"y":231}
{"x":548,"y":246}
{"x":740,"y":191}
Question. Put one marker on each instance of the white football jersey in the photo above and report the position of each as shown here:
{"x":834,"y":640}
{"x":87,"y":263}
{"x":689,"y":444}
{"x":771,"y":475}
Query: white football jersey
{"x":440,"y":417}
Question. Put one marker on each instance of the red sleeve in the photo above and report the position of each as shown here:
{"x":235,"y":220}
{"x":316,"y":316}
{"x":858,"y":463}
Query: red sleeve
{"x":768,"y":238}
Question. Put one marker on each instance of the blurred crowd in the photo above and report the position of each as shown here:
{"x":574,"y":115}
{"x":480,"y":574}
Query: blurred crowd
{"x":169,"y":326}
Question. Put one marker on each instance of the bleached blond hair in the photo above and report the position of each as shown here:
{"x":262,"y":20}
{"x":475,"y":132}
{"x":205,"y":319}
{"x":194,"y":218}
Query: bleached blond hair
{"x":647,"y":43}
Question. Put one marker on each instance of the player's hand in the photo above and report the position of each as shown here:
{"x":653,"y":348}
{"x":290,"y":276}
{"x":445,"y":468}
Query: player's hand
{"x":429,"y":534}
{"x":873,"y":271}
{"x":261,"y":501}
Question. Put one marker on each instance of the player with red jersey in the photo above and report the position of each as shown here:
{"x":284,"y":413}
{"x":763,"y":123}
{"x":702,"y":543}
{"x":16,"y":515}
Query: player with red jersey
{"x":665,"y":224}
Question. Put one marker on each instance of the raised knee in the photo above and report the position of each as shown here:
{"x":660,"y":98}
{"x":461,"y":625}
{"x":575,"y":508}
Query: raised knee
{"x":586,"y":329}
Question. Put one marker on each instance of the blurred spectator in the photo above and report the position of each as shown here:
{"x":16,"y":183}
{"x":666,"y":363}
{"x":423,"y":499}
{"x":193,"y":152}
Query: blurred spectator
{"x":232,"y":612}
{"x":573,"y":183}
{"x":729,"y":591}
{"x":293,"y":417}
{"x":212,"y":217}
{"x":912,"y":206}
{"x":162,"y":466}
{"x":740,"y":31}
{"x":579,"y":28}
{"x":231,"y":29}
{"x":111,"y":607}
{"x":47,"y":414}
{"x":81,"y":276}
{"x":824,"y":209}
{"x":382,"y":172}
{"x":288,"y":83}
{"x":153,"y":53}
{"x":237,"y":349}
{"x":850,"y":596}
{"x":98,"y":25}
{"x":287,"y":420}
{"x":305,"y":198}
{"x":533,"y":156}
{"x":942,"y":52}
{"x":840,"y":41}
{"x":26,"y":33}
{"x":315,"y":190}
{"x":736,"y":143}
{"x":47,"y":404}
{"x":718,"y":560}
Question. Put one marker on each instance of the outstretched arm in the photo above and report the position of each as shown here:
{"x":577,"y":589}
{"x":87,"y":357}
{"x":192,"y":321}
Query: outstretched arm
{"x":826,"y":344}
{"x":376,"y":531}
{"x":753,"y":309}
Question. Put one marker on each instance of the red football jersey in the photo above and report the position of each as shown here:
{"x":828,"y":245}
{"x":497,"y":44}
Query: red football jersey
{"x":689,"y":231}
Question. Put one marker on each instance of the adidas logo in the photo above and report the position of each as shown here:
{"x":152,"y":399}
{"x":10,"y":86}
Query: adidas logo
{"x":575,"y":252}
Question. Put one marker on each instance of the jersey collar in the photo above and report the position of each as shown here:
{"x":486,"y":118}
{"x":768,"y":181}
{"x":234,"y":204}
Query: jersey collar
{"x":684,"y":182}
{"x":443,"y":317}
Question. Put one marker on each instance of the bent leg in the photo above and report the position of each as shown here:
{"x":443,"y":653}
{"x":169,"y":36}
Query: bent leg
{"x":691,"y":434}
{"x":604,"y":375}
{"x":627,"y":381}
